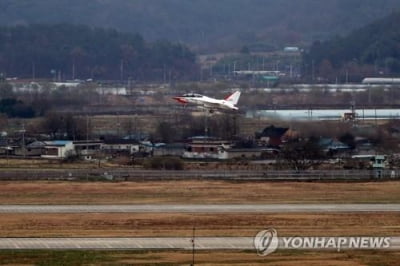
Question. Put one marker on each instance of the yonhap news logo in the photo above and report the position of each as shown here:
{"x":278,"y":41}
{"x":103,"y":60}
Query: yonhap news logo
{"x":267,"y":242}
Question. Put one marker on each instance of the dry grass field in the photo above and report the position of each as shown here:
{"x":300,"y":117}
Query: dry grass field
{"x":38,"y":163}
{"x":192,"y":191}
{"x":180,"y":225}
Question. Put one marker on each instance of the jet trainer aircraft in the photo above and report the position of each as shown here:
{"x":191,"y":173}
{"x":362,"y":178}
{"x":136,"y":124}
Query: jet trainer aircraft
{"x":229,"y":103}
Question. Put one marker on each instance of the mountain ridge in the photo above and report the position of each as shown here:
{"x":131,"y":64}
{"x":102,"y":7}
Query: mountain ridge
{"x":205,"y":24}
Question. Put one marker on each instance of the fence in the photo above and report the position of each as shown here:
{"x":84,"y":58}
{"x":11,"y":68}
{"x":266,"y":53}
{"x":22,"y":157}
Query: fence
{"x":143,"y":175}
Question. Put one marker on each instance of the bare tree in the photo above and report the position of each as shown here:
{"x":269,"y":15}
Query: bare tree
{"x":302,"y":154}
{"x":65,"y":126}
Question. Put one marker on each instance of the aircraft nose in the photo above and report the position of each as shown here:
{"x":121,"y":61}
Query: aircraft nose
{"x":179,"y":99}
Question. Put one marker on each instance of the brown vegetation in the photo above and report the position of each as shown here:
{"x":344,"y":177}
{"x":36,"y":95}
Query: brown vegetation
{"x":180,"y":225}
{"x":176,"y":224}
{"x":191,"y":191}
{"x":221,"y":257}
{"x":280,"y":258}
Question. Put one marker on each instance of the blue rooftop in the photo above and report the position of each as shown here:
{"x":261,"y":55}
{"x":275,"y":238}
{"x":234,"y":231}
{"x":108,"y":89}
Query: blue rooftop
{"x":58,"y":142}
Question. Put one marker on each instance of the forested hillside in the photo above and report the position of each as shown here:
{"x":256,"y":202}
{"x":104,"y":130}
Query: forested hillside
{"x":71,"y":52}
{"x":373,"y":50}
{"x":220,"y":24}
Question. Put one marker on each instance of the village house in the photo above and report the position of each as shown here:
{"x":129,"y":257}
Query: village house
{"x":87,"y":149}
{"x":58,"y":149}
{"x":207,"y":148}
{"x":172,"y":149}
{"x":120,"y":146}
{"x":35,"y":148}
{"x":271,"y":136}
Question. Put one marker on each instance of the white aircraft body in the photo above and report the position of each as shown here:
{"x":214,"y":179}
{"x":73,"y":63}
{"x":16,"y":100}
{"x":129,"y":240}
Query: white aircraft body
{"x":228,"y":103}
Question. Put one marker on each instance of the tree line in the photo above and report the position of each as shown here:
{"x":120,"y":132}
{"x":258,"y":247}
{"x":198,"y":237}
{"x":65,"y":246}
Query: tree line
{"x":370,"y":51}
{"x":66,"y":51}
{"x":222,"y":24}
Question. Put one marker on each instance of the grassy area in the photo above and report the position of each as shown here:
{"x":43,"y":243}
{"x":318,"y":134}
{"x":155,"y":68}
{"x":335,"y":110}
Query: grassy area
{"x":34,"y":257}
{"x":37,"y":163}
{"x":180,"y":225}
{"x":192,"y":191}
{"x":346,"y":258}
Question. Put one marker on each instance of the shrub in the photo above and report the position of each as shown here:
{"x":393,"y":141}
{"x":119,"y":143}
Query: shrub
{"x":167,"y":163}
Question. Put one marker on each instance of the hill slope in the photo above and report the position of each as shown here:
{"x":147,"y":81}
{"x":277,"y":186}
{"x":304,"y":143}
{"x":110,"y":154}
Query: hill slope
{"x":71,"y":52}
{"x":206,"y":23}
{"x":369,"y":51}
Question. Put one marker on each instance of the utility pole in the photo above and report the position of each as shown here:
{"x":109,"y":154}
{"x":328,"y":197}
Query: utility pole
{"x":206,"y":122}
{"x":118,"y":125}
{"x":33,"y":71}
{"x":23,"y":140}
{"x":312,"y":71}
{"x":73,"y":70}
{"x":193,"y":245}
{"x":87,"y":136}
{"x":165,"y":74}
{"x":121,"y":70}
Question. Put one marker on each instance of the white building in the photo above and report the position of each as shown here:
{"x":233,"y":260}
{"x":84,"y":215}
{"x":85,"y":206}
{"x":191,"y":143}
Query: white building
{"x":58,"y":149}
{"x":381,"y":81}
{"x":120,"y":146}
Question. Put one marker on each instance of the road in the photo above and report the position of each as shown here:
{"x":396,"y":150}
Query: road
{"x":202,"y":208}
{"x":204,"y":243}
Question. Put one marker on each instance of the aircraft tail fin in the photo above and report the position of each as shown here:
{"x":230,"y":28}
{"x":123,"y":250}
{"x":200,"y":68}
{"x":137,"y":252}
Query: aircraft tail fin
{"x":233,"y":98}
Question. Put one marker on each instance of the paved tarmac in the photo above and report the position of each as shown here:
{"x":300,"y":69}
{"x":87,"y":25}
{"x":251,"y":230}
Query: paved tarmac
{"x":127,"y":243}
{"x":202,"y":208}
{"x":201,"y":243}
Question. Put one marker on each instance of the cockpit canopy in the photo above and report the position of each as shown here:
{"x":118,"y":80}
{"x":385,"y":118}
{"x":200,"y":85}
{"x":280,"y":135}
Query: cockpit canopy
{"x":192,"y":95}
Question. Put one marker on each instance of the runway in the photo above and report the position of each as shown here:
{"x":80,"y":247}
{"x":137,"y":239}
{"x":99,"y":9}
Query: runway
{"x":127,"y":243}
{"x":202,"y":208}
{"x":146,"y":243}
{"x":173,"y":243}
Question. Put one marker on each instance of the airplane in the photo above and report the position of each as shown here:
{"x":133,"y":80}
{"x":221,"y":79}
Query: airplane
{"x":228,"y":103}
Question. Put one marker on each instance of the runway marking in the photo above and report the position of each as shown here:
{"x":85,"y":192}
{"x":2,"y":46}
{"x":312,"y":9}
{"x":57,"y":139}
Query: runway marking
{"x":200,"y":208}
